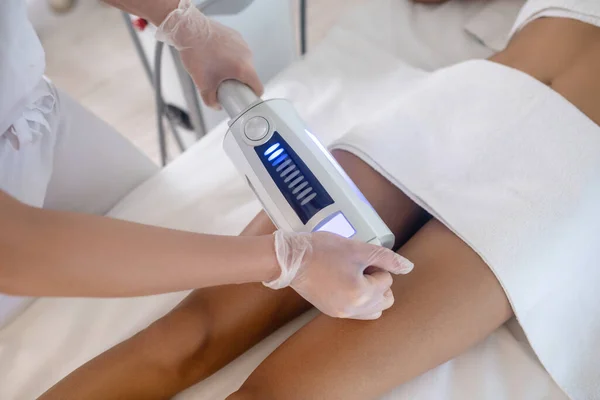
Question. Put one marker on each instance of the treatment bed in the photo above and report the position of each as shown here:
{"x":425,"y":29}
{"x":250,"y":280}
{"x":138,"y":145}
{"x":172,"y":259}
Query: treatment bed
{"x":345,"y":79}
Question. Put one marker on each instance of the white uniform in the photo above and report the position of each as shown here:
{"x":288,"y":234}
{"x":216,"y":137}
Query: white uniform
{"x":24,"y":104}
{"x":53,"y":152}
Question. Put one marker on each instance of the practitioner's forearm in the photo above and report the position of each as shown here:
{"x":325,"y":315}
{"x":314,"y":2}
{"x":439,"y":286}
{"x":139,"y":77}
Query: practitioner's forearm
{"x":50,"y":253}
{"x":209,"y":329}
{"x":154,"y":11}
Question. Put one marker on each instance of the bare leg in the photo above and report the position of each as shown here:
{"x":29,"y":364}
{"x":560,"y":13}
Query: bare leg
{"x":213,"y":326}
{"x":451,"y":300}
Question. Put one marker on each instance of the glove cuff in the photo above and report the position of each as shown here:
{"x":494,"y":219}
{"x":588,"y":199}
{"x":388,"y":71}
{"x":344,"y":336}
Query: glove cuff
{"x":184,"y":26}
{"x":293,"y":250}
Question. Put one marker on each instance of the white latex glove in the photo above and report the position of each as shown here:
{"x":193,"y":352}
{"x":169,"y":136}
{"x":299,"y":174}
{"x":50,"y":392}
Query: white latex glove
{"x":329,"y":272}
{"x":210,"y":51}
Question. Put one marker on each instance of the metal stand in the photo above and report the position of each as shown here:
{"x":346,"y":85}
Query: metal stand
{"x":190,"y":95}
{"x":160,"y":106}
{"x":303,"y":33}
{"x":161,"y":110}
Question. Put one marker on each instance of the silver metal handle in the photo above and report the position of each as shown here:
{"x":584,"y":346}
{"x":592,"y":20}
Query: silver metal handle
{"x":236,"y":97}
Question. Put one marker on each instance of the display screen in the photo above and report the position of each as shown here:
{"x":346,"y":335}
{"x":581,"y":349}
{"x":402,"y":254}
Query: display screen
{"x":301,"y":189}
{"x":339,"y":225}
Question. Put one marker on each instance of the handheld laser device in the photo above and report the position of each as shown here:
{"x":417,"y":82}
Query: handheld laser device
{"x":300,"y":185}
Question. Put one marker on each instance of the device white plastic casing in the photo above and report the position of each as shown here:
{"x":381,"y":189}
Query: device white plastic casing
{"x":347,"y":199}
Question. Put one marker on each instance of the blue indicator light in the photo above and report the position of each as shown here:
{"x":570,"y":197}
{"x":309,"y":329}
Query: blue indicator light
{"x":280,"y":159}
{"x":271,"y":149}
{"x":283,"y":165}
{"x":275,"y":155}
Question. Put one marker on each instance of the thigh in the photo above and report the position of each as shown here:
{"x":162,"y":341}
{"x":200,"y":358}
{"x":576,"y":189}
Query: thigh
{"x":233,"y":318}
{"x":397,"y":210}
{"x":450,"y":301}
{"x":94,"y":166}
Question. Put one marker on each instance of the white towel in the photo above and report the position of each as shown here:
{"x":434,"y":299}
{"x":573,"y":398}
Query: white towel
{"x":513,"y":169}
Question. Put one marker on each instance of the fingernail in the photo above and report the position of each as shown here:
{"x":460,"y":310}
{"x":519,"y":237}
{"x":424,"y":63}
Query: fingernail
{"x":405,"y":265}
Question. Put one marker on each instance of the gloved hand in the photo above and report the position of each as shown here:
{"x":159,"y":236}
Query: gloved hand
{"x":210,"y":51}
{"x":329,"y":272}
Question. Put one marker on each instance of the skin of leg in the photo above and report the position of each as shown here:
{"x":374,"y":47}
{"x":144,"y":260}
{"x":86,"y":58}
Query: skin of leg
{"x":213,"y":326}
{"x":547,"y":47}
{"x":451,"y":300}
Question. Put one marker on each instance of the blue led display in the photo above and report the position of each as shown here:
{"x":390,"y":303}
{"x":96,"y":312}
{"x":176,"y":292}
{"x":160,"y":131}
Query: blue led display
{"x":301,"y":189}
{"x":271,"y":149}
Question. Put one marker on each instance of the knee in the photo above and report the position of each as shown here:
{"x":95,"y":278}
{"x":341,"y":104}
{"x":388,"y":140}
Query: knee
{"x":183,"y":336}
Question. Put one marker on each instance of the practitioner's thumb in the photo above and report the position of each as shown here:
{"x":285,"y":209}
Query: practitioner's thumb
{"x":387,"y":260}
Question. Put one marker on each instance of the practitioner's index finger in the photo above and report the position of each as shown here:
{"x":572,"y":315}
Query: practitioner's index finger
{"x":388,"y":260}
{"x":375,"y":310}
{"x":381,"y":280}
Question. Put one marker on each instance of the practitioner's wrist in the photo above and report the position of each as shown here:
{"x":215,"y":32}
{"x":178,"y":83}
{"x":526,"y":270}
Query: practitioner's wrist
{"x":185,"y":27}
{"x":272,"y":267}
{"x":154,"y":11}
{"x":258,"y":259}
{"x":161,"y":10}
